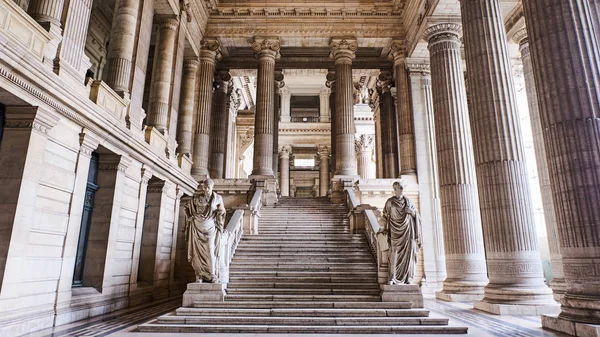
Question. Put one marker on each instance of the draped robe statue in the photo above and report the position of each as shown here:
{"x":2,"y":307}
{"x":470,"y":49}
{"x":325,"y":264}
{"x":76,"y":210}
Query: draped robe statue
{"x":204,"y":224}
{"x":402,"y":223}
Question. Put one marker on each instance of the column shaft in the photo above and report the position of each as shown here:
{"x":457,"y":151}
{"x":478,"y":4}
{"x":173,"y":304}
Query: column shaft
{"x":77,"y":16}
{"x":568,"y":86}
{"x":162,"y":72}
{"x":121,"y":46}
{"x":186,"y":106}
{"x":513,"y":260}
{"x":276,"y":115}
{"x":49,"y":11}
{"x":208,"y":54}
{"x":406,"y":132}
{"x":463,"y":238}
{"x":284,"y":166}
{"x":323,"y":170}
{"x":389,"y":137}
{"x":266,"y":52}
{"x":332,"y":119}
{"x":557,"y":284}
{"x":218,"y":129}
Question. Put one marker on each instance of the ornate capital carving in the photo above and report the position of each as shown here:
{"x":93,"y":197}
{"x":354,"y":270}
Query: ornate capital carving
{"x":385,"y":80}
{"x":87,"y":144}
{"x":418,"y":68}
{"x":324,"y":152}
{"x":146,"y":173}
{"x":343,"y":50}
{"x":285,"y":151}
{"x":266,"y":47}
{"x":279,"y":76}
{"x":363,"y":143}
{"x":222,"y":78}
{"x":521,"y":37}
{"x":397,"y":51}
{"x":191,"y":64}
{"x":210,"y":50}
{"x":443,"y":32}
{"x":30,"y":118}
{"x":168,"y":23}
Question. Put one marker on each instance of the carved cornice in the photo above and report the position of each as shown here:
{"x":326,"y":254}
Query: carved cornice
{"x":266,"y":47}
{"x":343,"y":50}
{"x":231,"y":29}
{"x":30,"y":118}
{"x":114,"y":163}
{"x":342,"y":12}
{"x":443,"y":32}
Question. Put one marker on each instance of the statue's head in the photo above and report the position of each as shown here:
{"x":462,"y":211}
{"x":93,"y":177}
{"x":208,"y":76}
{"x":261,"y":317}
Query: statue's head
{"x":398,"y":188}
{"x":206,"y":186}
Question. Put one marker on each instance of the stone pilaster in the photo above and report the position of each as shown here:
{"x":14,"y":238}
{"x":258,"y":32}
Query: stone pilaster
{"x":463,"y":238}
{"x":266,"y":50}
{"x":364,"y":148}
{"x":557,"y":284}
{"x":284,"y":166}
{"x":567,"y":89}
{"x":434,"y":263}
{"x":186,"y":106}
{"x":71,"y":59}
{"x":122,"y":44}
{"x":209,"y":53}
{"x":513,"y":260}
{"x":279,"y":83}
{"x":331,"y":85}
{"x":160,"y":90}
{"x":389,"y":137}
{"x":343,"y":51}
{"x":406,"y":132}
{"x":218,"y":129}
{"x":323,"y":170}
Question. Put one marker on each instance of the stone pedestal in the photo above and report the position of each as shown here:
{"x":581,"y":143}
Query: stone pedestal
{"x":203,"y":292}
{"x":402,"y":293}
{"x":516,"y":309}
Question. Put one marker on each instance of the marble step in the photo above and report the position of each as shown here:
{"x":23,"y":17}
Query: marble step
{"x":307,"y":277}
{"x":361,"y":258}
{"x":291,"y":320}
{"x":302,"y":297}
{"x":294,"y":305}
{"x":283,"y":262}
{"x":276,"y":237}
{"x":301,"y":291}
{"x":306,"y":268}
{"x":306,"y":285}
{"x":302,"y":312}
{"x":347,"y":329}
{"x":333,"y":250}
{"x":295,"y":255}
{"x":308,"y":245}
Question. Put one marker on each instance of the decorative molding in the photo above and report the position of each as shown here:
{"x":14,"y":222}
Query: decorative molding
{"x":343,"y":49}
{"x":266,"y":47}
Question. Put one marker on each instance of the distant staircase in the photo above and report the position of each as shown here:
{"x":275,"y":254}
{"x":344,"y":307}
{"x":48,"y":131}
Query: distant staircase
{"x":304,"y":273}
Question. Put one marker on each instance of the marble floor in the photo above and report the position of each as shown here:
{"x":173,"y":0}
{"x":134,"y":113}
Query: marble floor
{"x":124,"y":322}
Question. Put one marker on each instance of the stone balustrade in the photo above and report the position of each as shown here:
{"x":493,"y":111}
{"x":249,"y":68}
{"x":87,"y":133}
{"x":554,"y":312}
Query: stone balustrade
{"x":26,"y":38}
{"x":230,"y":239}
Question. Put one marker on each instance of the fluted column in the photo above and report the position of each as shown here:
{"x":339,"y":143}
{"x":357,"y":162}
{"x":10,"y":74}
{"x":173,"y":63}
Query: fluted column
{"x":343,"y":51}
{"x":513,"y":259}
{"x":209,"y":53}
{"x":389,"y":137}
{"x":218,"y":129}
{"x":121,"y":46}
{"x":71,"y":57}
{"x":406,"y":132}
{"x":266,"y":50}
{"x":463,"y":238}
{"x":364,"y":148}
{"x":568,"y":86}
{"x":284,"y":166}
{"x":557,"y":284}
{"x":323,"y":170}
{"x":160,"y":90}
{"x":186,"y":106}
{"x":48,"y":13}
{"x":279,"y":83}
{"x":332,"y":120}
{"x":427,"y":170}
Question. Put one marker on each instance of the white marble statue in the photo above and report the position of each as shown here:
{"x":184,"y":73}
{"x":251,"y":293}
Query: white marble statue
{"x":204,"y":223}
{"x":402,"y":224}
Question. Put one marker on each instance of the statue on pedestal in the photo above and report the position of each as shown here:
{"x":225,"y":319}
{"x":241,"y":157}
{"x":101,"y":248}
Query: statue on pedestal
{"x":204,"y":224}
{"x":402,"y":224}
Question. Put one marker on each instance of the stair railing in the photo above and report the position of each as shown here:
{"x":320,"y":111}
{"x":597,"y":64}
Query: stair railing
{"x":255,"y":207}
{"x":363,"y":217}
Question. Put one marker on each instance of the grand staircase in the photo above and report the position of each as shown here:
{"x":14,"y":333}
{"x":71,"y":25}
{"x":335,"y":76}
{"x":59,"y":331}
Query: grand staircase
{"x":304,"y":273}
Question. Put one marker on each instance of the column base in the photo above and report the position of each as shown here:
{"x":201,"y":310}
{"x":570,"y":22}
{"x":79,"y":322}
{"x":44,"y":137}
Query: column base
{"x":402,"y":293}
{"x":553,"y":322}
{"x":203,"y":292}
{"x":450,"y":297}
{"x":516,"y":309}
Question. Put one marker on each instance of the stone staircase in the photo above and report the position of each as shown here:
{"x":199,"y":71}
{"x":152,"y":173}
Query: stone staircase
{"x":304,"y":273}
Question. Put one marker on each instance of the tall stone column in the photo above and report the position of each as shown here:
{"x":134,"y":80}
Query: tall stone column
{"x":406,"y":132}
{"x":463,"y":238}
{"x":186,"y":106}
{"x":364,"y":148}
{"x":218,"y":121}
{"x":209,"y":53}
{"x":513,"y":260}
{"x":558,"y":283}
{"x":48,"y":13}
{"x":567,"y":89}
{"x":266,"y":50}
{"x":332,"y":119}
{"x":162,"y":72}
{"x":323,"y":170}
{"x":389,"y":137}
{"x":427,"y":170}
{"x":284,"y":166}
{"x":279,"y":83}
{"x":343,"y":51}
{"x":121,"y":46}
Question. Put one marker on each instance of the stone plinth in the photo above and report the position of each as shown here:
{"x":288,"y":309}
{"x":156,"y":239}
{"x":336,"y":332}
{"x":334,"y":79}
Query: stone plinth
{"x":570,"y":327}
{"x":203,"y":292}
{"x":402,"y":293}
{"x":516,"y":309}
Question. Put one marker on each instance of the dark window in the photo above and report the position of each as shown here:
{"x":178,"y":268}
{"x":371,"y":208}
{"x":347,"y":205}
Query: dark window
{"x":305,"y":108}
{"x":86,"y":219}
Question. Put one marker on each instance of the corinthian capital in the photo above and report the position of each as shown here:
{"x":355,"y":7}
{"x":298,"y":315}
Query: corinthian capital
{"x":343,"y":49}
{"x":397,"y":51}
{"x":363,"y":143}
{"x":266,"y":47}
